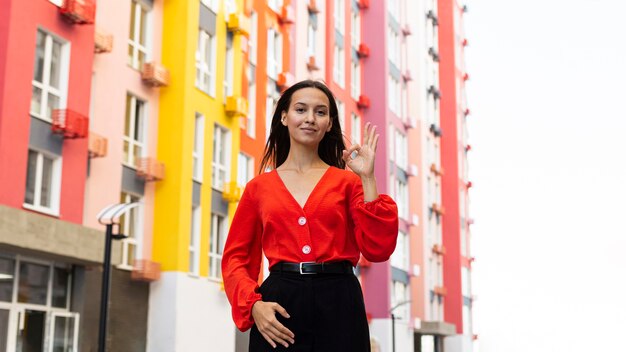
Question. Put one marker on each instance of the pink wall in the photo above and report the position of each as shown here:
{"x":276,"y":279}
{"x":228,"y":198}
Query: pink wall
{"x":113,"y":79}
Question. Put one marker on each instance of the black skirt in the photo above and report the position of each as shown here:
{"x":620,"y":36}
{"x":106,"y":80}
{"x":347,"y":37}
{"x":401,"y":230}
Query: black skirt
{"x":327,"y":313}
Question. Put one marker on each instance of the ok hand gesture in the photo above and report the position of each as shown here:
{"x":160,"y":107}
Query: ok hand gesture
{"x":363,"y":162}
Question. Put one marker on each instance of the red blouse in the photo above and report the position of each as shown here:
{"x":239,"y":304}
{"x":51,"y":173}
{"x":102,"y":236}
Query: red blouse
{"x":335,"y":224}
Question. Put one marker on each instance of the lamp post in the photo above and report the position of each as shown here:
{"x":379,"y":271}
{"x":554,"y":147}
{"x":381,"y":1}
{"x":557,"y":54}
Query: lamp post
{"x":109,"y":216}
{"x":393,"y":324}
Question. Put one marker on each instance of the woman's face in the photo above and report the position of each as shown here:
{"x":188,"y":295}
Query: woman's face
{"x":308,"y":117}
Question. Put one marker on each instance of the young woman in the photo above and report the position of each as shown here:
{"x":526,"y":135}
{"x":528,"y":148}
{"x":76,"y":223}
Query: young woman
{"x":312,"y":219}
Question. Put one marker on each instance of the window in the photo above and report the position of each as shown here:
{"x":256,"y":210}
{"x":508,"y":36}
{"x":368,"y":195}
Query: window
{"x":310,"y":39}
{"x":50,"y":79}
{"x":401,"y":150}
{"x":400,"y":256}
{"x":216,"y":247}
{"x":44,"y":290}
{"x":198,"y":149}
{"x":393,"y":46}
{"x":245,"y":169}
{"x":274,"y":53}
{"x":355,"y":29}
{"x":356,"y":129}
{"x":134,"y":130}
{"x":253,"y":41}
{"x":130,"y":225}
{"x":251,"y":116}
{"x":341,"y":111}
{"x":394,"y":95}
{"x":355,"y":84}
{"x":212,"y":4}
{"x":394,"y":9}
{"x":275,"y":4}
{"x":221,"y":152}
{"x":229,"y":66}
{"x":137,"y":41}
{"x":400,"y":300}
{"x":194,"y":241}
{"x":402,"y":198}
{"x":205,"y":63}
{"x":43,"y":183}
{"x":339,"y":66}
{"x":339,"y":15}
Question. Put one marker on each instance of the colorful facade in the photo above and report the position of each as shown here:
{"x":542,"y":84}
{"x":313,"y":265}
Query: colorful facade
{"x":168,"y":104}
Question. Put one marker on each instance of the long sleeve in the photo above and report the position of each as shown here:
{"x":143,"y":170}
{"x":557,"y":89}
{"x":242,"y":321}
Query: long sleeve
{"x":241,"y":260}
{"x":375,"y":224}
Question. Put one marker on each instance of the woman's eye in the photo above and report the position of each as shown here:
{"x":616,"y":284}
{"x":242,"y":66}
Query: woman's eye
{"x":299,"y":110}
{"x":321,"y":112}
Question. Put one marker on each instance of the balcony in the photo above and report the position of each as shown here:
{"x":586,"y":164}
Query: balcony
{"x":440,"y":290}
{"x":406,"y":30}
{"x":285,"y":80}
{"x":150,"y":169}
{"x":435,"y":170}
{"x":439,"y":249}
{"x":364,"y":50}
{"x":98,"y":145}
{"x":406,"y":76}
{"x":363,"y":102}
{"x":103,"y":42}
{"x":69,"y":123}
{"x":438,"y":209}
{"x":236,"y":106}
{"x":238,"y":23}
{"x":155,"y":75}
{"x":79,"y":11}
{"x":311,"y":64}
{"x":146,"y":271}
{"x":286,"y":15}
{"x":231,"y":192}
{"x":312,"y":7}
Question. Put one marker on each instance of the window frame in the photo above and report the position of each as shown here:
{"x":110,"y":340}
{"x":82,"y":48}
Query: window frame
{"x":205,"y":63}
{"x":45,"y":86}
{"x":215,"y":254}
{"x":134,"y":37}
{"x":197,"y":169}
{"x":134,"y":238}
{"x":130,"y":119}
{"x":55,"y":183}
{"x":220,"y":142}
{"x":194,"y":240}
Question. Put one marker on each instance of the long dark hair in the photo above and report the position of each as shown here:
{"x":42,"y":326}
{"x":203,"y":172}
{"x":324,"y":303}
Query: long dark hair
{"x":277,"y":147}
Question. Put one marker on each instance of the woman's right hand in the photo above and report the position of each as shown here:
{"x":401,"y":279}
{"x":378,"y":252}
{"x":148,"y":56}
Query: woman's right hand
{"x":264,"y":315}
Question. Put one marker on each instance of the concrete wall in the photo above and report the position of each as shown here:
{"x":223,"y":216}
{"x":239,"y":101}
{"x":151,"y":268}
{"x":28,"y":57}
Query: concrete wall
{"x":194,"y":315}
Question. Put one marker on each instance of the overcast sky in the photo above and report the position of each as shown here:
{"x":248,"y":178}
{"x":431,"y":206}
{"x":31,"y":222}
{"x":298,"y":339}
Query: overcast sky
{"x":548,"y":162}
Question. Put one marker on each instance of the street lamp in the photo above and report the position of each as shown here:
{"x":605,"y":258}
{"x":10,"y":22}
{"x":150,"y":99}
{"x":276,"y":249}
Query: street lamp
{"x":393,"y":324}
{"x":109,"y":216}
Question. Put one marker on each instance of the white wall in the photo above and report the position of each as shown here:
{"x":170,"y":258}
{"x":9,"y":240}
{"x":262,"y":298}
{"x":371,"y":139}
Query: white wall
{"x":457,"y":343}
{"x":193,"y":315}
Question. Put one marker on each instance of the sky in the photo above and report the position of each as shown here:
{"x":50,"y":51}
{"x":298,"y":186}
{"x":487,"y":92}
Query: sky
{"x":548,"y":166}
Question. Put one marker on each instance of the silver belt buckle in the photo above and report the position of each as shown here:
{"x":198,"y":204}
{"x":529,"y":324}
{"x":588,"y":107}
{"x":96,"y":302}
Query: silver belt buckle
{"x":301,"y":273}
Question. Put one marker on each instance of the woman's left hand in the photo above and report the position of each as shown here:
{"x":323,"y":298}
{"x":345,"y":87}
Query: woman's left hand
{"x":363,"y":163}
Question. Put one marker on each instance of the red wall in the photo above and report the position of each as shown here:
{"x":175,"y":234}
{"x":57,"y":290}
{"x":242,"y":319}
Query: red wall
{"x":451,"y":182}
{"x":17,"y":49}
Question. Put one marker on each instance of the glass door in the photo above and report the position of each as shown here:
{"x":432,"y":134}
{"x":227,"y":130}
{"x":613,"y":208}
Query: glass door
{"x":31,"y":327}
{"x":63,"y":332}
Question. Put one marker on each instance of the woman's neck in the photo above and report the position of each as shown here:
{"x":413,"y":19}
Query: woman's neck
{"x":301,"y":159}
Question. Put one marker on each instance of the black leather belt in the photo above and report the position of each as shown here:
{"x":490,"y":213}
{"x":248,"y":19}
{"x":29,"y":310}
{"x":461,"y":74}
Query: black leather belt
{"x":305,"y":268}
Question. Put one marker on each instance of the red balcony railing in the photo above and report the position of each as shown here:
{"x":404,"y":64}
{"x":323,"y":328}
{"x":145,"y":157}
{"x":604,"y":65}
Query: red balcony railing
{"x":146,"y":271}
{"x":155,"y":75}
{"x":312,"y":64}
{"x":69,"y":123}
{"x":286,"y":15}
{"x":103,"y":42}
{"x":285,"y":80}
{"x":79,"y":11}
{"x":98,"y":145}
{"x":364,"y":50}
{"x":363,"y":102}
{"x":150,"y":169}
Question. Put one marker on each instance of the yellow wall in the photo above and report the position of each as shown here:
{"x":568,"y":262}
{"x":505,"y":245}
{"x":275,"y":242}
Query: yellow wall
{"x":178,"y":104}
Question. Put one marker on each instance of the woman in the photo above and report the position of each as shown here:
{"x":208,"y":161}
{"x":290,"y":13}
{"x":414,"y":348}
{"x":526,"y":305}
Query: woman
{"x":312,"y":219}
